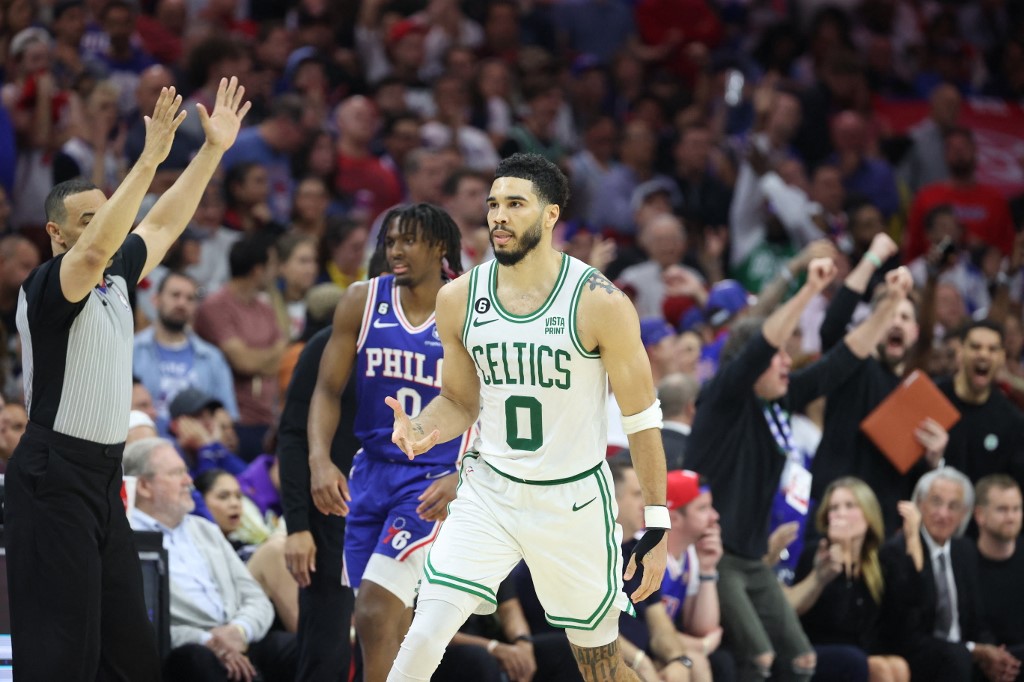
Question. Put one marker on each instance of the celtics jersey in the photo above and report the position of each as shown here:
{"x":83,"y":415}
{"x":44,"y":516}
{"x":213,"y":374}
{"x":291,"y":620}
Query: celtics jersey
{"x":542,"y":393}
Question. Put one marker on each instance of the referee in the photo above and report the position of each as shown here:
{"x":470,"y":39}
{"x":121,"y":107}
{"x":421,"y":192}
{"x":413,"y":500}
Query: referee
{"x":74,"y":582}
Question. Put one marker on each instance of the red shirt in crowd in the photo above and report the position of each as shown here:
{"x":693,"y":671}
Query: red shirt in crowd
{"x":981,"y":209}
{"x":367,"y":173}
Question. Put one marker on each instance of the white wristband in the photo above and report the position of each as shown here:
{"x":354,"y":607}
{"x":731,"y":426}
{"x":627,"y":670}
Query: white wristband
{"x":656,"y":516}
{"x":492,"y":645}
{"x":641,"y":421}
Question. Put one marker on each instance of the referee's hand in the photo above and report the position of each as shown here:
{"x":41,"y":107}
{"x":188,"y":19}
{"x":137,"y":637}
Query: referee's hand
{"x":162,"y":124}
{"x":329,"y":487}
{"x":654,"y":567}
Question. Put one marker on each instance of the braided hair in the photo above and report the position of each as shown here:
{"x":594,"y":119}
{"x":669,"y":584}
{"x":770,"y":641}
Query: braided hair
{"x":429,"y":223}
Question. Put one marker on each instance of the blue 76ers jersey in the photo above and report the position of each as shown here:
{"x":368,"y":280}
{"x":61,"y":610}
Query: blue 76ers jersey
{"x":393,"y":358}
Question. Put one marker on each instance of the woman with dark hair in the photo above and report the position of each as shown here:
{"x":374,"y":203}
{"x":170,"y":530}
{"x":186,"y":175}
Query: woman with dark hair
{"x":310,"y":205}
{"x":840,"y":593}
{"x":297,"y":271}
{"x":262,"y":551}
{"x":344,"y":250}
{"x":247,"y":194}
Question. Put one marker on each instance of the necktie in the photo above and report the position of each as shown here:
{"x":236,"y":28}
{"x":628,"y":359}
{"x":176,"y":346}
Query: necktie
{"x":943,"y":603}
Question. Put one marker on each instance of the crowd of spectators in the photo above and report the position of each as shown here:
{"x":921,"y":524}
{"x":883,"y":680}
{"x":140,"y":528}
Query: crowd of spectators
{"x":716,"y":149}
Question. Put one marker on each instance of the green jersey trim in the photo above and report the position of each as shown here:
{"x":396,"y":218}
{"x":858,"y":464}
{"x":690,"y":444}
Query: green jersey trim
{"x":574,"y":305}
{"x":469,"y":306}
{"x":556,"y":481}
{"x":612,"y":551}
{"x":510,"y":317}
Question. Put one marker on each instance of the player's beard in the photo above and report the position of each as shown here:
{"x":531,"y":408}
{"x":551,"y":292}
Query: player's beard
{"x":526,"y":243}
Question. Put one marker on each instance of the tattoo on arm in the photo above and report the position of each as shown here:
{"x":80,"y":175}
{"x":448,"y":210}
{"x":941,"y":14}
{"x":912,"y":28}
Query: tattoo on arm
{"x":418,"y":429}
{"x":599,"y":281}
{"x":602,"y":664}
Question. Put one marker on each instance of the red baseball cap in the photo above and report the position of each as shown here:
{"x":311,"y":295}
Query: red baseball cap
{"x":683,"y":487}
{"x":402,"y":28}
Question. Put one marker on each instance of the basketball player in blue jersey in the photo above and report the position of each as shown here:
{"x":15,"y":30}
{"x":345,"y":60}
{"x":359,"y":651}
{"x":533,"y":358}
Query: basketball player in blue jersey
{"x":384,"y":331}
{"x":530,"y":343}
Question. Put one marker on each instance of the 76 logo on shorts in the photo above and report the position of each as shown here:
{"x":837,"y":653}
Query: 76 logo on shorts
{"x":396,"y":537}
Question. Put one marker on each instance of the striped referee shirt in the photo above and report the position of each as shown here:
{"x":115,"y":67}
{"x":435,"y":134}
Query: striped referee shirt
{"x":77,"y":357}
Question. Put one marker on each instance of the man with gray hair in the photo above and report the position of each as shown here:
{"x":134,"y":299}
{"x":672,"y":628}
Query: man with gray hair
{"x":678,"y":395}
{"x":220,"y":616}
{"x":945,"y":633}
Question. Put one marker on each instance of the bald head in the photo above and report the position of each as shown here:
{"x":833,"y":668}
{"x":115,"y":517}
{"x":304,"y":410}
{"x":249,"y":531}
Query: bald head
{"x":678,"y":395}
{"x":945,"y":105}
{"x":151,"y":82}
{"x":664,"y":239}
{"x":357,"y":119}
{"x":850,"y":133}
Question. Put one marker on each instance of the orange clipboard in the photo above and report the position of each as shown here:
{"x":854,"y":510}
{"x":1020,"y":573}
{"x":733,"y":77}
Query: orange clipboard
{"x":891,"y":425}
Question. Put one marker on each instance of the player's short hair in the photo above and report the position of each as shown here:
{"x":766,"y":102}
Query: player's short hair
{"x":548,"y":180}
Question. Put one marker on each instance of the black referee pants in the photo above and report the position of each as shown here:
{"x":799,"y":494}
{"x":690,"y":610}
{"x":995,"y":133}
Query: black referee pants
{"x":73,"y":574}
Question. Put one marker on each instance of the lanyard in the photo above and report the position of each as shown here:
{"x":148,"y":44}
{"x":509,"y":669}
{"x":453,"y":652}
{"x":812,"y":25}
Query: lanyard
{"x":778,"y":424}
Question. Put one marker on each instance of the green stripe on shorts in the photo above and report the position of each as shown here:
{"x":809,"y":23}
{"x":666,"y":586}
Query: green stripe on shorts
{"x":612,"y":547}
{"x":435,"y":577}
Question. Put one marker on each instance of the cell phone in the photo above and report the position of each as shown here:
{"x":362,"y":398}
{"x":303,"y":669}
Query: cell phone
{"x":948,"y":250}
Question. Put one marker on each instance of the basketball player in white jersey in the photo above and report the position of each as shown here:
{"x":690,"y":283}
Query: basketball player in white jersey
{"x":530,"y":341}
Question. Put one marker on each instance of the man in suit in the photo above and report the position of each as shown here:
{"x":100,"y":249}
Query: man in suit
{"x":220,"y":617}
{"x":946,"y":633}
{"x":678,"y":395}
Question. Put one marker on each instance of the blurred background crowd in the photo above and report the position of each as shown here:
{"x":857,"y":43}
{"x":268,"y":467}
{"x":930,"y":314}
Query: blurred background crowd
{"x":714,"y":147}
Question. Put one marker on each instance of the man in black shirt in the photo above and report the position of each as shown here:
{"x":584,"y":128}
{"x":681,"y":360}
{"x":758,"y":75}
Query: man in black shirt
{"x":989,"y":438}
{"x":1001,"y":559}
{"x":740,"y":440}
{"x":75,"y":585}
{"x":844,"y":449}
{"x":315,"y":544}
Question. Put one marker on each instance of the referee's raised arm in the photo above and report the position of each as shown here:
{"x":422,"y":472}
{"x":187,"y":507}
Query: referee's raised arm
{"x":174,"y":209}
{"x":73,"y":576}
{"x":91,"y":239}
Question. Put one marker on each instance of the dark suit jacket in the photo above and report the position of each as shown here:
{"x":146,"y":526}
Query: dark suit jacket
{"x":919,"y":620}
{"x":675,"y":450}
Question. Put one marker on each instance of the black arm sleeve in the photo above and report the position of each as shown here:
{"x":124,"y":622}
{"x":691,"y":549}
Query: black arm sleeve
{"x":293,"y":438}
{"x":46,"y":307}
{"x":837,"y":317}
{"x":816,"y":380}
{"x":293,"y":445}
{"x":130,"y":260}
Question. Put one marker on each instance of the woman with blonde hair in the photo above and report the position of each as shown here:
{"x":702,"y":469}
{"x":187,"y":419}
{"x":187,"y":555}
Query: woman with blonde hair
{"x":840,"y":593}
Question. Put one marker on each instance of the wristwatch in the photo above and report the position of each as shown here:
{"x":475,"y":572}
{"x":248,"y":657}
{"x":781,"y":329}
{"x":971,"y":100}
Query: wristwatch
{"x":684,"y":659}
